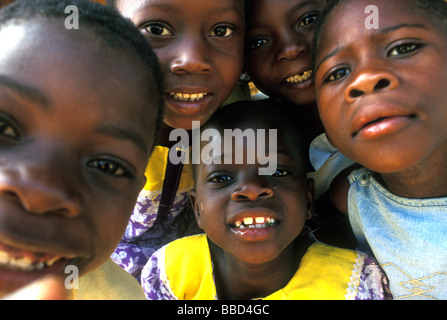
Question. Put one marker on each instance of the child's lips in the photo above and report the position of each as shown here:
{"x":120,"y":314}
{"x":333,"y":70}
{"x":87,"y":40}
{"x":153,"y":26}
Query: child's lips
{"x":379,"y":119}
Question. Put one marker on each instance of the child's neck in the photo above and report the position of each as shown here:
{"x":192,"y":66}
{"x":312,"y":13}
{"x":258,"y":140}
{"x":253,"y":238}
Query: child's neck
{"x":427,"y":179}
{"x":236,"y":280}
{"x":163,"y":136}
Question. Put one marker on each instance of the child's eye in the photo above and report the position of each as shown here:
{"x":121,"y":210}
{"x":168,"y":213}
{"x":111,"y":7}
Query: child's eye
{"x":222,"y":32}
{"x":7,"y":130}
{"x":403,"y":49}
{"x":257,"y":43}
{"x":108,"y":167}
{"x":308,"y":19}
{"x":157,"y":29}
{"x":338,"y":74}
{"x":220,"y":178}
{"x":281,"y":173}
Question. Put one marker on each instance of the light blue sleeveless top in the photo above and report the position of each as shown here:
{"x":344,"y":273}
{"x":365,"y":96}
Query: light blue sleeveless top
{"x":408,"y":237}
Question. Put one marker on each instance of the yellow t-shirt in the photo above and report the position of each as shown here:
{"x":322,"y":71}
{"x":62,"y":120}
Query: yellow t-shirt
{"x":108,"y":282}
{"x":185,"y":272}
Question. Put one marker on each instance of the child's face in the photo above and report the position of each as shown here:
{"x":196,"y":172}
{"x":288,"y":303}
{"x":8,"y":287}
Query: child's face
{"x":278,"y":48}
{"x":200,"y":46}
{"x":73,"y":149}
{"x":381,"y":93}
{"x":253,"y":217}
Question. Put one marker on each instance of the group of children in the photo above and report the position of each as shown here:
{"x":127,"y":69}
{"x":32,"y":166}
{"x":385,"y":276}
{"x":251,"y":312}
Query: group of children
{"x":87,"y":117}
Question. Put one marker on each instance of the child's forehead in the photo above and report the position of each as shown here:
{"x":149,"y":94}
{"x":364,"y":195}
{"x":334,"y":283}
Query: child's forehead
{"x":79,"y":56}
{"x":51,"y":36}
{"x":388,"y":14}
{"x":387,"y":9}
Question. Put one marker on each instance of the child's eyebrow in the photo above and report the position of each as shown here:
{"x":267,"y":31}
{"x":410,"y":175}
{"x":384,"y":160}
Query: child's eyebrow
{"x":124,"y":134}
{"x":332,"y":53}
{"x":171,"y":8}
{"x":299,"y":6}
{"x":400,"y":26}
{"x":25,"y":91}
{"x":381,"y":31}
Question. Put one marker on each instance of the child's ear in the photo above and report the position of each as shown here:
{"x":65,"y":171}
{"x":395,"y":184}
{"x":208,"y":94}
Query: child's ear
{"x":195,"y":207}
{"x":310,"y":197}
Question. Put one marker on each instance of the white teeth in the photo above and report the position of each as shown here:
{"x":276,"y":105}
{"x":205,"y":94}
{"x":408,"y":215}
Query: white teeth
{"x":257,"y":222}
{"x":187,"y":97}
{"x":24,"y":263}
{"x":248,"y":221}
{"x":50,"y":262}
{"x":300,"y":78}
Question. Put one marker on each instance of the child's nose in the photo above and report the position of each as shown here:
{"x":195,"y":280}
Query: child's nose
{"x":40,"y":186}
{"x":192,"y":58}
{"x":252,"y":191}
{"x":290,"y":48}
{"x":370,"y":81}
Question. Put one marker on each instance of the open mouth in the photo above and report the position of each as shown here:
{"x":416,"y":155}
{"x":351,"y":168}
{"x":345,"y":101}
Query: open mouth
{"x":26,"y":263}
{"x":187,"y":97}
{"x":19,"y":267}
{"x":255,"y":227}
{"x":17,"y":259}
{"x":298,"y":78}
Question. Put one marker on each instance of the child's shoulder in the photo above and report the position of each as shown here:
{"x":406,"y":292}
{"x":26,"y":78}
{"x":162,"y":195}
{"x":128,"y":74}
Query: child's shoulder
{"x":352,"y":274}
{"x":327,"y":254}
{"x":189,"y":248}
{"x":182,"y":269}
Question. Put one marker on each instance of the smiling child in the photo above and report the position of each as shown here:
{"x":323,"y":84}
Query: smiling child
{"x":278,"y":59}
{"x":381,"y":95}
{"x":200,"y":45}
{"x":79,"y":110}
{"x":255,"y":244}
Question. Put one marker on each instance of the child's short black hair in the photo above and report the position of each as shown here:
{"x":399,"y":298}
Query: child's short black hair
{"x":114,"y":30}
{"x":435,"y":8}
{"x":235,"y":113}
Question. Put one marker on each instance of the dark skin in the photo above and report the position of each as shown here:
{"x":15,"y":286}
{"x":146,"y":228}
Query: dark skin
{"x":252,"y":264}
{"x":278,"y":55}
{"x":391,"y":118}
{"x":200,"y":48}
{"x":73,"y":160}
